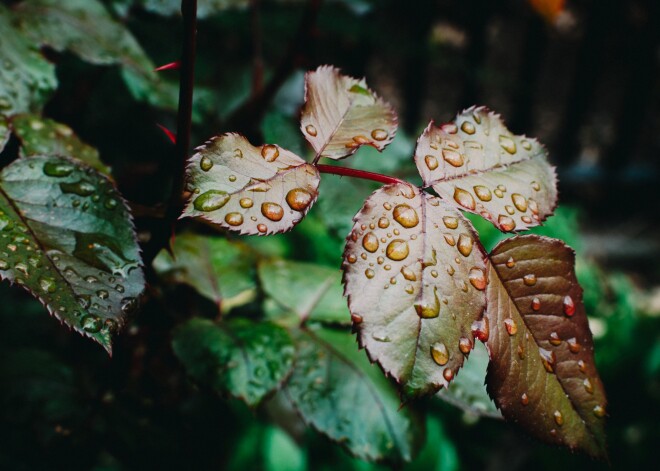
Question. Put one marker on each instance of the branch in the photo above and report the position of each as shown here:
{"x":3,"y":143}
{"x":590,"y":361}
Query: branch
{"x":355,"y":173}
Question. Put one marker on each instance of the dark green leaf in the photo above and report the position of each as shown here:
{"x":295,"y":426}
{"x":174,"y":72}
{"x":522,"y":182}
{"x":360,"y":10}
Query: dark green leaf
{"x":216,"y":268}
{"x":245,"y":359}
{"x":67,"y":237}
{"x":542,"y":373}
{"x":341,"y":395}
{"x":314,"y":292}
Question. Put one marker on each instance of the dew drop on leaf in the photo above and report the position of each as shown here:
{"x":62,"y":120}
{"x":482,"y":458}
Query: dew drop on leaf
{"x":406,"y":216}
{"x":465,"y":244}
{"x":569,"y":306}
{"x":272,"y":211}
{"x":211,"y":200}
{"x":530,"y":279}
{"x":234,"y":219}
{"x":465,"y":345}
{"x":452,"y":157}
{"x":483,"y":193}
{"x":246,"y":203}
{"x":524,"y":399}
{"x":559,"y":418}
{"x":379,"y":134}
{"x":439,"y":353}
{"x":270,"y":152}
{"x":464,"y":198}
{"x":57,"y":169}
{"x":370,"y":242}
{"x":91,"y":324}
{"x":397,"y":250}
{"x":431,"y":162}
{"x":508,"y":145}
{"x":448,"y":374}
{"x":450,"y":222}
{"x":468,"y":128}
{"x":511,"y":326}
{"x":506,"y":223}
{"x":478,"y":278}
{"x":206,"y":164}
{"x":298,"y":199}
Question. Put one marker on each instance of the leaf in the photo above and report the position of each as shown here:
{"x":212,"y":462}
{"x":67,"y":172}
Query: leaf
{"x":26,"y":77}
{"x":542,"y":373}
{"x":313,"y":292}
{"x":67,"y":237}
{"x":468,"y":391}
{"x":476,"y":164}
{"x":205,"y":8}
{"x":342,"y":396}
{"x":254,"y":190}
{"x":218,"y":269}
{"x":43,"y":136}
{"x":414,"y":274}
{"x":243,"y":358}
{"x":5,"y":133}
{"x":342,"y":114}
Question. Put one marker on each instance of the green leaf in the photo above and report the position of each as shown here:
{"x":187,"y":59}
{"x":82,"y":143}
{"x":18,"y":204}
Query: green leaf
{"x":243,"y":358}
{"x":542,"y":373}
{"x":5,"y":132}
{"x":253,"y":190}
{"x":43,"y":136}
{"x":216,"y":268}
{"x":205,"y":8}
{"x":415,"y":280}
{"x":341,"y":395}
{"x":313,"y":292}
{"x":67,"y":237}
{"x":26,"y":77}
{"x":341,"y":114}
{"x":468,"y":391}
{"x":477,"y":164}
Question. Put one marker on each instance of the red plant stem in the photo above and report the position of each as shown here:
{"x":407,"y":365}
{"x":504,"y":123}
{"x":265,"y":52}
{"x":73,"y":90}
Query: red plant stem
{"x":355,"y":173}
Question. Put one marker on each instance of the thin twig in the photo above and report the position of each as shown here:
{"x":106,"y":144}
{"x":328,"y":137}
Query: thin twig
{"x":355,"y":173}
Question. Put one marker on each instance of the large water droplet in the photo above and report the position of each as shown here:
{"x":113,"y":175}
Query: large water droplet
{"x":478,"y":278}
{"x":370,"y":242}
{"x":311,"y":130}
{"x":483,"y":193}
{"x":234,"y":219}
{"x":397,"y":250}
{"x":464,"y":198}
{"x":506,"y":223}
{"x":431,"y":162}
{"x":448,"y":374}
{"x":272,"y":211}
{"x":507,"y":144}
{"x":408,"y":274}
{"x":439,"y":353}
{"x":429,"y":311}
{"x":468,"y":128}
{"x":453,"y":158}
{"x":369,"y":273}
{"x":450,"y":222}
{"x":511,"y":326}
{"x":465,"y":243}
{"x":262,"y":228}
{"x":519,"y":202}
{"x":211,"y":200}
{"x":379,"y":134}
{"x":298,"y":199}
{"x":57,"y":169}
{"x":569,"y":306}
{"x":530,"y":279}
{"x":481,"y":329}
{"x":405,"y":215}
{"x":206,"y":164}
{"x":80,"y":188}
{"x":465,"y":345}
{"x":91,"y":324}
{"x":270,"y":152}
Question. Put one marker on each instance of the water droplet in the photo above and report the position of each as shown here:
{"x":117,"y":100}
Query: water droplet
{"x":526,"y":144}
{"x":509,"y":209}
{"x":519,"y":202}
{"x":569,"y":306}
{"x":554,"y":339}
{"x":499,"y":193}
{"x":588,"y":386}
{"x":533,"y":206}
{"x":510,"y":263}
{"x":397,"y":250}
{"x":128,"y":305}
{"x":483,"y":193}
{"x":211,"y":200}
{"x":449,"y":239}
{"x":298,"y":199}
{"x":511,"y":326}
{"x":234,"y":219}
{"x":57,"y":169}
{"x":465,"y":345}
{"x":507,"y":144}
{"x":379,"y":134}
{"x":103,"y":294}
{"x":380,"y":337}
{"x":80,"y":188}
{"x":450,"y":222}
{"x":383,"y":223}
{"x":582,"y":366}
{"x":548,"y":359}
{"x":206,"y":164}
{"x":408,"y":274}
{"x":369,"y":273}
{"x":452,"y":157}
{"x":311,"y":130}
{"x":599,"y":411}
{"x":465,"y":244}
{"x":536,"y":186}
{"x":506,"y":223}
{"x":246,"y":203}
{"x":478,"y":278}
{"x":559,"y":419}
{"x":351,"y":258}
{"x":405,"y":215}
{"x":481,"y":330}
{"x":448,"y":374}
{"x":119,"y":288}
{"x":272,"y":211}
{"x":529,"y":280}
{"x":573,"y":345}
{"x":536,"y":304}
{"x":450,"y":270}
{"x":370,"y":242}
{"x":521,"y":351}
{"x":22,"y":268}
{"x":524,"y":399}
{"x":47,"y":285}
{"x":270,"y":153}
{"x":468,"y":128}
{"x":429,"y":311}
{"x":439,"y":353}
{"x":356,"y":319}
{"x":464,"y":198}
{"x":262,"y":228}
{"x":4,"y":265}
{"x":431,"y":162}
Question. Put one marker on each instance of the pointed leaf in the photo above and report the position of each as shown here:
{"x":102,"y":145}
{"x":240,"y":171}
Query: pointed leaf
{"x":478,"y":165}
{"x":68,"y":239}
{"x":254,"y":190}
{"x":218,"y":269}
{"x":314,"y":292}
{"x":43,"y":136}
{"x":415,"y":275}
{"x":26,"y":77}
{"x":341,"y":395}
{"x":542,"y":373}
{"x":245,"y":359}
{"x":341,"y":114}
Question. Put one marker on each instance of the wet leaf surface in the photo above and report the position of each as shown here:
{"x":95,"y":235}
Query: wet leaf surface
{"x":478,"y":165}
{"x":341,"y":395}
{"x":67,"y":237}
{"x":415,"y":279}
{"x":342,"y":114}
{"x":242,"y":358}
{"x":542,"y":373}
{"x":252,"y":190}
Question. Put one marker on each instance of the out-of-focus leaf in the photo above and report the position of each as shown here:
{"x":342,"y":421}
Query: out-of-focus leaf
{"x":314,"y":292}
{"x":216,"y":268}
{"x":42,"y":136}
{"x":439,"y":452}
{"x":342,"y":114}
{"x":415,"y":279}
{"x":5,"y":132}
{"x":26,"y":77}
{"x":68,"y":239}
{"x":542,"y":373}
{"x":468,"y":391}
{"x":253,"y":190}
{"x":205,"y":8}
{"x":243,"y":358}
{"x":281,"y":453}
{"x":341,"y":395}
{"x":477,"y":164}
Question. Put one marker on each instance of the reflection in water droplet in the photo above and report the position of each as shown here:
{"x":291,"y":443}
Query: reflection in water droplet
{"x":397,"y":250}
{"x":465,"y":244}
{"x":405,"y":215}
{"x":529,"y":280}
{"x":569,"y":306}
{"x":379,"y":134}
{"x":478,"y":278}
{"x":206,"y":164}
{"x":519,"y":202}
{"x":483,"y":193}
{"x":464,"y":198}
{"x":270,"y":152}
{"x":211,"y":200}
{"x":272,"y":211}
{"x":370,"y":242}
{"x":439,"y":353}
{"x":234,"y":219}
{"x":246,"y":203}
{"x":298,"y":199}
{"x":431,"y":162}
{"x":311,"y":130}
{"x":452,"y":157}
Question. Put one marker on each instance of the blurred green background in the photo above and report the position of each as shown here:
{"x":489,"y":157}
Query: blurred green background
{"x":583,"y":80}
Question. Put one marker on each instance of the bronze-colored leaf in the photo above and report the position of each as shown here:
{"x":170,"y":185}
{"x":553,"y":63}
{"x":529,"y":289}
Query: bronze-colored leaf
{"x":542,"y":373}
{"x":415,"y":279}
{"x":477,"y":164}
{"x":253,"y":190}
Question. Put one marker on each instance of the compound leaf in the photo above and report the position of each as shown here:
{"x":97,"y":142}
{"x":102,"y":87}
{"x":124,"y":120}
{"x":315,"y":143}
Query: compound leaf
{"x":542,"y":373}
{"x":337,"y":391}
{"x":415,"y":279}
{"x":240,"y":357}
{"x":254,"y":190}
{"x":341,"y":114}
{"x":478,"y":165}
{"x":67,"y":237}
